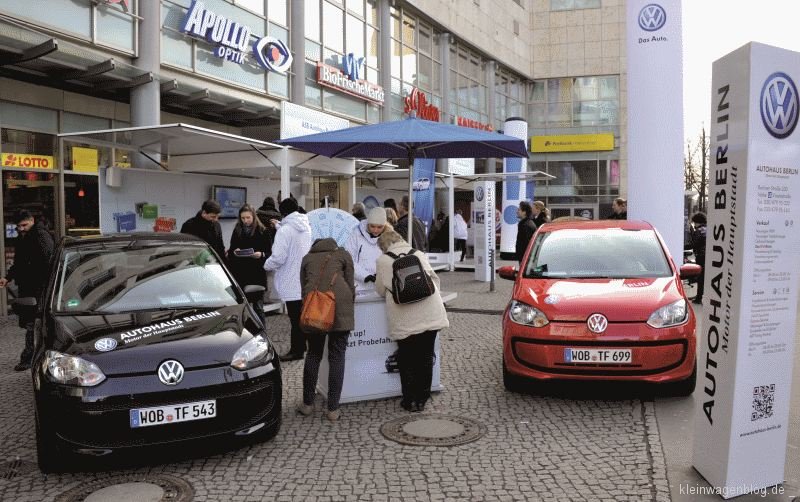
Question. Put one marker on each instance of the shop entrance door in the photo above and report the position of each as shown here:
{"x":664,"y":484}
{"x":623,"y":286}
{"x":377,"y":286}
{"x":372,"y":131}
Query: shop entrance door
{"x":31,"y":191}
{"x":581,"y":210}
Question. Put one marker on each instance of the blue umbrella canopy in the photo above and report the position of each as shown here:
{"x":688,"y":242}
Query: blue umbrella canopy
{"x":410,"y":138}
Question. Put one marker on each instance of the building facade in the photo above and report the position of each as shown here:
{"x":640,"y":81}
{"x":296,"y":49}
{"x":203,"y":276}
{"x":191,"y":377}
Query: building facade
{"x":227,"y":65}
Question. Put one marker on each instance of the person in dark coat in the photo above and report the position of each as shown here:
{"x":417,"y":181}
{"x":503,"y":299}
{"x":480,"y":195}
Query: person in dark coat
{"x":249,"y":234}
{"x":541,"y":214}
{"x":31,"y":270}
{"x":619,"y":209}
{"x":205,"y":226}
{"x":525,"y":228}
{"x":390,"y":203}
{"x":418,"y":231}
{"x":328,"y":267}
{"x":266,"y":214}
{"x":699,"y":223}
{"x":359,"y":211}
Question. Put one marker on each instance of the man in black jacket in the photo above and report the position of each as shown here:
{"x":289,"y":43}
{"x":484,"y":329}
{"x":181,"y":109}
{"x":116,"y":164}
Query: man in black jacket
{"x":525,"y":228}
{"x":417,"y":232}
{"x":205,"y":226}
{"x":30,"y":271}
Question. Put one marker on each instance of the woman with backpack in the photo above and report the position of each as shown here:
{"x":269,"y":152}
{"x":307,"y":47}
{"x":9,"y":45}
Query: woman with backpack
{"x":327,"y":267}
{"x":413,"y":325}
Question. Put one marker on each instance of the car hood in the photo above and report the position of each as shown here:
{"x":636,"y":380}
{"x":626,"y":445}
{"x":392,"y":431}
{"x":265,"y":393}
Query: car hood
{"x":620,"y":300}
{"x":139,"y":342}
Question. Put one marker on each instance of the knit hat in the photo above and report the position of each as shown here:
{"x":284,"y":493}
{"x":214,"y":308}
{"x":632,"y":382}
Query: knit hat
{"x":287,"y":207}
{"x":377,"y":216}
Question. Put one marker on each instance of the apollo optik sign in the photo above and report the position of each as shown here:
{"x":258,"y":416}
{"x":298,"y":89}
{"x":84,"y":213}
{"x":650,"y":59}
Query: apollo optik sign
{"x":233,"y":39}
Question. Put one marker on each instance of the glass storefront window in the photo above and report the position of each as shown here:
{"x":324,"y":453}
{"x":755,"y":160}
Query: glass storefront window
{"x":584,"y":89}
{"x":574,"y":4}
{"x":114,"y":28}
{"x":396,"y":54}
{"x":30,"y":191}
{"x":425,"y":43}
{"x":81,"y":215}
{"x":311,"y":20}
{"x":32,"y":143}
{"x":372,"y":12}
{"x":277,"y":11}
{"x":28,"y":117}
{"x":608,"y":87}
{"x":278,"y":84}
{"x":340,"y":103}
{"x":355,"y":36}
{"x":538,"y":92}
{"x":425,"y":70}
{"x":559,"y":90}
{"x":313,"y":95}
{"x":356,"y":7}
{"x":313,"y":52}
{"x":409,"y":66}
{"x":409,"y":31}
{"x":372,"y":46}
{"x":332,"y":33}
{"x":256,"y":6}
{"x":244,"y":74}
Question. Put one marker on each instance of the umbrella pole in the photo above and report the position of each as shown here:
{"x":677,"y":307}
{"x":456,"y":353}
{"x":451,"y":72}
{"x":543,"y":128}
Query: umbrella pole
{"x":410,"y":197}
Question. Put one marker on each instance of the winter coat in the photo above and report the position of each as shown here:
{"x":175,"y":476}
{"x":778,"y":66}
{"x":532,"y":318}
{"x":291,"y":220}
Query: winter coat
{"x":459,"y":227}
{"x":209,"y":231}
{"x":246,"y":269}
{"x":410,"y":318}
{"x":418,"y":232}
{"x":525,"y":230}
{"x":292,"y":242}
{"x":313,"y":276}
{"x":541,"y":219}
{"x":699,"y":244}
{"x":266,"y":214}
{"x":365,"y":252}
{"x":618,"y":216}
{"x":32,"y":254}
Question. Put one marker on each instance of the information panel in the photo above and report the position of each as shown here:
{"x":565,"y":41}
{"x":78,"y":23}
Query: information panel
{"x":752,"y":264}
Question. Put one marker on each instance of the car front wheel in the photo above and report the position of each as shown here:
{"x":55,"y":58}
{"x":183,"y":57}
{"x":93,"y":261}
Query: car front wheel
{"x":48,"y":453}
{"x":513,"y":383}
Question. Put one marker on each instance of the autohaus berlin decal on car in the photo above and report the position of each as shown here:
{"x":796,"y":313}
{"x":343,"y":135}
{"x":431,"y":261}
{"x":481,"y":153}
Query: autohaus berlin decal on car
{"x":234,"y":38}
{"x":160,"y":328}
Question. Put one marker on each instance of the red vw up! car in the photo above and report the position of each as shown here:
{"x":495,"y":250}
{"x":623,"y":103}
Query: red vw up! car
{"x":599,"y":300}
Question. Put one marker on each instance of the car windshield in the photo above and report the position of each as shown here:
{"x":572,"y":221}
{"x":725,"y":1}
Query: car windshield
{"x":102,"y":279}
{"x":597,"y":253}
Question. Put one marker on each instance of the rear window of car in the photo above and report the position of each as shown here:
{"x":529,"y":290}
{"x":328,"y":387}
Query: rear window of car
{"x":130,"y":278}
{"x":599,"y":253}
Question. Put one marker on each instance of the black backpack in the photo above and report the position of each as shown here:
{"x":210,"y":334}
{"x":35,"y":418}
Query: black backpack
{"x":410,"y":282}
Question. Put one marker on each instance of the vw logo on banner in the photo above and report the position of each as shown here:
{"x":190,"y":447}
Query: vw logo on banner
{"x":272,"y":54}
{"x":597,"y":323}
{"x":779,"y":105}
{"x":652,"y":17}
{"x":170,"y":372}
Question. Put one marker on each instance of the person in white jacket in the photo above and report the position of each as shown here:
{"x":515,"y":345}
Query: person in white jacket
{"x":363,"y":247}
{"x":292,"y":243}
{"x":460,"y":233}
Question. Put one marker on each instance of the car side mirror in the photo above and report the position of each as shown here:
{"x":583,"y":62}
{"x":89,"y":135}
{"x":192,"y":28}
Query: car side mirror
{"x":254,"y":293}
{"x":25,"y":307}
{"x":508,"y":272}
{"x":690,"y":270}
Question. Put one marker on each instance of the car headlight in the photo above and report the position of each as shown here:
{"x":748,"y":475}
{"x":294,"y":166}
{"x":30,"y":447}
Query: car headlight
{"x":71,"y":370}
{"x":258,"y":351}
{"x":669,"y":315}
{"x":521,"y":313}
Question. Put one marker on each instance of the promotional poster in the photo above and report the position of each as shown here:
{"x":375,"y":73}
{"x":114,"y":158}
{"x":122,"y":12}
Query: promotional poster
{"x":513,"y":188}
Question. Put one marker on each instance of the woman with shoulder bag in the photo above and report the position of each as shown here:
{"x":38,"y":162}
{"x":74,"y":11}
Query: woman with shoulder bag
{"x":413,"y":325}
{"x":328,"y":267}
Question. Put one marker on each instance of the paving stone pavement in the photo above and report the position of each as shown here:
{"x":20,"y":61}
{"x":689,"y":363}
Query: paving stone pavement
{"x":536,"y":448}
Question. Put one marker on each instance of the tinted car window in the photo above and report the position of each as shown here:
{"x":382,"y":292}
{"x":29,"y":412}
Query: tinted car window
{"x":614,"y":253}
{"x":124,"y":279}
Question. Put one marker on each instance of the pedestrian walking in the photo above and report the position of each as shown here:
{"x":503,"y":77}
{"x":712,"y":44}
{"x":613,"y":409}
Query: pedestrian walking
{"x":525,"y":229}
{"x":328,"y":267}
{"x":205,"y":225}
{"x":30,"y":272}
{"x":699,"y":223}
{"x":363,"y":246}
{"x":460,"y":233}
{"x":413,"y":325}
{"x":419,"y":241}
{"x":292,"y":243}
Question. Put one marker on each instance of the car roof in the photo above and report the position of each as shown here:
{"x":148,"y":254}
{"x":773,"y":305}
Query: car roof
{"x":596,"y":225}
{"x":145,"y":238}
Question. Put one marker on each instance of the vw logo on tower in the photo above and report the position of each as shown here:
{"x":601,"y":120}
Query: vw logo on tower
{"x":170,"y":372}
{"x":779,"y":105}
{"x":597,"y":323}
{"x":652,"y":17}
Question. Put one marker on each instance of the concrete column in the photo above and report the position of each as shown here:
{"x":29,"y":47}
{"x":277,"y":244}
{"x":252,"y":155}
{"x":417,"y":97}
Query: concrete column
{"x":146,"y":99}
{"x":385,"y":54}
{"x":297,"y":39}
{"x":491,"y":66}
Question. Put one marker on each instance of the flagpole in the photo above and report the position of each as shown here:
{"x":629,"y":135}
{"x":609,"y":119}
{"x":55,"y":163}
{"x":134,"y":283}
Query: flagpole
{"x":410,"y":196}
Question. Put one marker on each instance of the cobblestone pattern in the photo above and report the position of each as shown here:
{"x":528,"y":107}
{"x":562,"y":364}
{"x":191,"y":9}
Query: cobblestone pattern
{"x":536,"y":447}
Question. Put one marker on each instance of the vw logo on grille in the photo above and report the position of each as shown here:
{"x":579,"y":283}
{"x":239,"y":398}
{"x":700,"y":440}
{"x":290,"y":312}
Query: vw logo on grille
{"x":105,"y":344}
{"x":652,"y":17}
{"x":597,"y":323}
{"x":779,"y":105}
{"x":170,"y":372}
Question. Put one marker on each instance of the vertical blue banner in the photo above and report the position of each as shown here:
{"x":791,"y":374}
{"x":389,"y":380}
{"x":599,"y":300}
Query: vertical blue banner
{"x":424,"y":186}
{"x":513,"y":187}
{"x":530,"y":190}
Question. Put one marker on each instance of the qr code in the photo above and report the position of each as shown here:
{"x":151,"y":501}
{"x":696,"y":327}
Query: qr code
{"x":763,"y":401}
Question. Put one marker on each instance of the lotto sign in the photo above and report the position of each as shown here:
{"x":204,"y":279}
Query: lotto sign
{"x":26,"y":160}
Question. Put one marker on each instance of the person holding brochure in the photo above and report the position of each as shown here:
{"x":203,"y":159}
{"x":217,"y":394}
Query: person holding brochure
{"x":248,"y":250}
